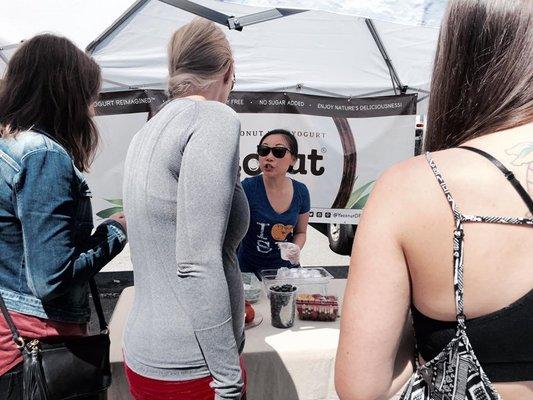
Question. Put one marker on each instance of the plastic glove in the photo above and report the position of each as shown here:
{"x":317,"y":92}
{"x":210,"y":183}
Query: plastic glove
{"x":290,"y":252}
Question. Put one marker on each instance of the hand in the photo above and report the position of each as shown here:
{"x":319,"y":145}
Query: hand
{"x":120,"y":218}
{"x":290,"y":252}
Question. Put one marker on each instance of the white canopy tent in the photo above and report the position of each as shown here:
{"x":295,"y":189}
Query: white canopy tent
{"x":310,"y":52}
{"x":300,"y":52}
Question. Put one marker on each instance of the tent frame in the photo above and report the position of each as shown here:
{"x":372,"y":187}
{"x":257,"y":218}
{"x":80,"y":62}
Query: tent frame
{"x":3,"y":57}
{"x":230,"y":21}
{"x":238,"y":23}
{"x":396,"y":82}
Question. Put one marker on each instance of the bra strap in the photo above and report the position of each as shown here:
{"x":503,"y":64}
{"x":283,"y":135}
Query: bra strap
{"x":508,"y":174}
{"x":458,"y":247}
{"x":458,"y":272}
{"x":457,"y":216}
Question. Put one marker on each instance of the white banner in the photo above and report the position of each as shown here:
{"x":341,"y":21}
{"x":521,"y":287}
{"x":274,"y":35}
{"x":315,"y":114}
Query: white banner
{"x":343,"y":144}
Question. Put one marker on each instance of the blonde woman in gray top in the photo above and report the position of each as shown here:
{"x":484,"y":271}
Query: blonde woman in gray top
{"x":187,"y":213}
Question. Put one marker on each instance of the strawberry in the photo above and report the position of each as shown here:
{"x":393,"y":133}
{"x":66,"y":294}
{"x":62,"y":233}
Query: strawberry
{"x":249,"y":312}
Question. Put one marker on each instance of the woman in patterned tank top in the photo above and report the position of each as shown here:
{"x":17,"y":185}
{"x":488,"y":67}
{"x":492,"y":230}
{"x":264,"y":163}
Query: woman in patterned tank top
{"x":447,"y":237}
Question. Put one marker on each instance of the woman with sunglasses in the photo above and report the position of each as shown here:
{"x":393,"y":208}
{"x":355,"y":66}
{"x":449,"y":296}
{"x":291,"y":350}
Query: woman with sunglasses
{"x":188,"y":213}
{"x":279,"y":207}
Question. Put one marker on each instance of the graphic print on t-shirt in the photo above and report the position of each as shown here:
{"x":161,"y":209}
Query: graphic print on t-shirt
{"x":263,"y":244}
{"x":280,"y":232}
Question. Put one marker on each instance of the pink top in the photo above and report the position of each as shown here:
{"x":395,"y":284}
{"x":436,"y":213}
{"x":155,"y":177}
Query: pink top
{"x":30,"y":327}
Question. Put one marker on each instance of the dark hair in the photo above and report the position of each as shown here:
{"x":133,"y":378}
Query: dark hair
{"x":50,"y":84}
{"x":483,"y":74}
{"x":293,"y":143}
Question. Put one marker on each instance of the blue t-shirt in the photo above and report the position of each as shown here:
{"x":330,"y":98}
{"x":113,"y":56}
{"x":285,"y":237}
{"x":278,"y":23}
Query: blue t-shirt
{"x":258,"y":250}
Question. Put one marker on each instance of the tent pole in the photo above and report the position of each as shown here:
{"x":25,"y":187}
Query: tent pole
{"x":118,"y":84}
{"x":199,"y":10}
{"x":236,"y":23}
{"x":397,"y":83}
{"x":3,"y":57}
{"x":10,"y":46}
{"x":231,"y":22}
{"x":129,"y":12}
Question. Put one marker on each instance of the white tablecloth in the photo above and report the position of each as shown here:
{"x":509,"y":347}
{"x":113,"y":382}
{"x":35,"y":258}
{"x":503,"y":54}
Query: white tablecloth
{"x":282,"y":364}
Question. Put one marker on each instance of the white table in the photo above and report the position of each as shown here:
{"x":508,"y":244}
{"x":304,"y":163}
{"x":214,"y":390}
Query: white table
{"x":282,"y":364}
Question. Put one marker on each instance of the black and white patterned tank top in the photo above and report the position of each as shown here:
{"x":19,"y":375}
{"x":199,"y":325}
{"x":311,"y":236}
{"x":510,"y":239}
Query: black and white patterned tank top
{"x":455,"y":373}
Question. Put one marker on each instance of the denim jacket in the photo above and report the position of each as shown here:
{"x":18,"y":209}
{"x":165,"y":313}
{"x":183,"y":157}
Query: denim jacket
{"x":47,"y":252}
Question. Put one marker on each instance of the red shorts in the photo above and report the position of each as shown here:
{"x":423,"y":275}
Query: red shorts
{"x":143,"y":388}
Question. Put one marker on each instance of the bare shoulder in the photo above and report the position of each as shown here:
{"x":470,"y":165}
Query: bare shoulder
{"x":407,"y":192}
{"x":405,"y":179}
{"x":416,"y":173}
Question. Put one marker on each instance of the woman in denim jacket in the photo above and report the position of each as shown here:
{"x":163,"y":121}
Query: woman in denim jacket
{"x":47,"y":252}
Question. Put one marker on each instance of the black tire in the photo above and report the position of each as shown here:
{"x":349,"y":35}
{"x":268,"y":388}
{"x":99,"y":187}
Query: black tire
{"x":341,"y":238}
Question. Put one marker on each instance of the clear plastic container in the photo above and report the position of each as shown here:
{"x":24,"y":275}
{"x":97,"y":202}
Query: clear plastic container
{"x":282,"y":308}
{"x":316,"y":307}
{"x":318,"y":283}
{"x":252,"y":287}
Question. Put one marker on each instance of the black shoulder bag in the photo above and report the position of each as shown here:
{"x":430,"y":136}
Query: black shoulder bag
{"x":65,"y":367}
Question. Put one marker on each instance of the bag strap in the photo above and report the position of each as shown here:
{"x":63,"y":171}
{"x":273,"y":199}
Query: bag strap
{"x":14,"y":331}
{"x":508,"y":174}
{"x":98,"y":305}
{"x":19,"y":341}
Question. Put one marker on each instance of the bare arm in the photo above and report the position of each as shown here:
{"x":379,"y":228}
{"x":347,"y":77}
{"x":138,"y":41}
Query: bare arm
{"x":374,"y":355}
{"x":300,"y":230}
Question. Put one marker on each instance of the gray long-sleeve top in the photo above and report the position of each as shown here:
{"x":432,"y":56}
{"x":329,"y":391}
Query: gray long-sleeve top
{"x":186,"y":213}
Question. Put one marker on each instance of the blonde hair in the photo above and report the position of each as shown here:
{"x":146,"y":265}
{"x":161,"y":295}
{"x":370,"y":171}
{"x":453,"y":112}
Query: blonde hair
{"x":198,"y":53}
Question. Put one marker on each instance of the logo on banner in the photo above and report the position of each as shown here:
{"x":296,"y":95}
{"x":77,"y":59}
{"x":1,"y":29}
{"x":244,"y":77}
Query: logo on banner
{"x":305,"y":163}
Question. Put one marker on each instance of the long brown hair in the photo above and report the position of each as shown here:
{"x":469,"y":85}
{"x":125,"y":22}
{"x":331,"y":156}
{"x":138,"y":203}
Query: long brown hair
{"x":50,"y":84}
{"x":483,"y":73}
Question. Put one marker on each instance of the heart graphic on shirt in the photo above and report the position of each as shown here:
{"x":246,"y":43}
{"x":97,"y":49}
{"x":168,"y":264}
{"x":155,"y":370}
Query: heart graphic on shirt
{"x":280,"y":231}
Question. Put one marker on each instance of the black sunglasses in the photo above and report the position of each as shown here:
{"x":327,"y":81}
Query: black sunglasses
{"x":278,"y":152}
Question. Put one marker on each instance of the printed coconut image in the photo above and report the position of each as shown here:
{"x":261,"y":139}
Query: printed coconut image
{"x":117,"y":207}
{"x":359,"y":196}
